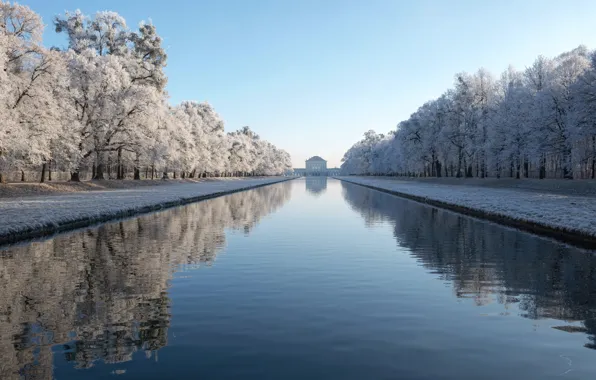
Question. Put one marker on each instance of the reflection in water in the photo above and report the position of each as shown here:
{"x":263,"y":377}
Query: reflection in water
{"x":489,"y":263}
{"x":102,"y":293}
{"x":316,"y":185}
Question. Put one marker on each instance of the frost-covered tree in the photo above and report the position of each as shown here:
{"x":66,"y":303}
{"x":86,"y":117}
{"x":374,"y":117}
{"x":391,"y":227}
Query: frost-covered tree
{"x":33,"y":82}
{"x":584,"y":113}
{"x":100,"y":105}
{"x":535,"y":123}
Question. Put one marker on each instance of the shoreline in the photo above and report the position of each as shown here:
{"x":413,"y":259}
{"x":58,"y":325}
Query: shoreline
{"x":566,"y":234}
{"x":51,"y":227}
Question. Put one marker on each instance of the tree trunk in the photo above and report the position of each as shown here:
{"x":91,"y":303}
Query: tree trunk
{"x":433,"y":169}
{"x":567,"y":165}
{"x":99,"y":171}
{"x":467,"y":168}
{"x":183,"y":174}
{"x":109,"y":167}
{"x":44,"y":167}
{"x":152,"y":172}
{"x":174,"y":174}
{"x":120,"y":173}
{"x":93,"y":171}
{"x":165,"y":174}
{"x":75,"y":176}
{"x":22,"y":176}
{"x":438,"y":168}
{"x":136,"y":169}
{"x":459,"y":163}
{"x":2,"y":178}
{"x":542,"y":171}
{"x":49,"y":170}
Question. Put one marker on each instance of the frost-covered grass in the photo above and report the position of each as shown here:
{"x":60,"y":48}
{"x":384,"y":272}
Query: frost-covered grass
{"x":531,"y":210}
{"x":30,"y":189}
{"x":37,"y":215}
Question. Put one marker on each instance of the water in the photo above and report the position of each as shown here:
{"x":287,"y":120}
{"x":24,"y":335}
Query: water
{"x":308,"y":279}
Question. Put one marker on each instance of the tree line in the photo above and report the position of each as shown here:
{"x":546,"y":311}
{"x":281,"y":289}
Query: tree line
{"x":535,"y":123}
{"x":100,"y":106}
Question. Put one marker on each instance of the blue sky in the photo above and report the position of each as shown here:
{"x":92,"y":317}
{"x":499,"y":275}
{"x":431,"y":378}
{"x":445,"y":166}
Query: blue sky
{"x":312,"y":76}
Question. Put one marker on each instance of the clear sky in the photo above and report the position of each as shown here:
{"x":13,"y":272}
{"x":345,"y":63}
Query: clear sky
{"x":312,"y":76}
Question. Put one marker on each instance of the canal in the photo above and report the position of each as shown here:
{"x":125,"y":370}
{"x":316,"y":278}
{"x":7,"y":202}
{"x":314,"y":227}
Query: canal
{"x":307,"y":279}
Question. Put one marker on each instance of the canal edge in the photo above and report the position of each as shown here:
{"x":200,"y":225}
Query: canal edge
{"x":573,"y":237}
{"x":55,"y":228}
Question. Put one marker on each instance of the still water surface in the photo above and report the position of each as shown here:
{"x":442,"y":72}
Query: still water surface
{"x":307,"y":279}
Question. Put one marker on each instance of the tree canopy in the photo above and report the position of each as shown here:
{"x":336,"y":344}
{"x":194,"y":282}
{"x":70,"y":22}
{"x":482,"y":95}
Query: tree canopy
{"x":538,"y":122}
{"x":100,"y":105}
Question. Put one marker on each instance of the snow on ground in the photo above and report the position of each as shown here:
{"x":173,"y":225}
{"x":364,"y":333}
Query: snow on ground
{"x":30,"y":216}
{"x":572,"y":213}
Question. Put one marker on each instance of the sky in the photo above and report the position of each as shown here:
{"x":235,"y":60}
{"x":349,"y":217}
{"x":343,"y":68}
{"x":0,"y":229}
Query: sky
{"x":311,"y":76}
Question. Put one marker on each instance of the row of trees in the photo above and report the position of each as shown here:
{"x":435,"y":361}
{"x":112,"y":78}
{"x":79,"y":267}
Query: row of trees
{"x":539,"y":122}
{"x":101,"y":105}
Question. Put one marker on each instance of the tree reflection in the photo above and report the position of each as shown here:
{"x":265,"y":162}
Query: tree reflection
{"x":490,"y":263}
{"x":102,"y":293}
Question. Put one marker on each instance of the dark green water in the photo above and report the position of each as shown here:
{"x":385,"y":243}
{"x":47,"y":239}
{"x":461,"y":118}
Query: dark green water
{"x":307,"y":279}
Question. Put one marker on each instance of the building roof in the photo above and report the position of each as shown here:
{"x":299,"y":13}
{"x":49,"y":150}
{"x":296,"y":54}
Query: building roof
{"x":315,"y":158}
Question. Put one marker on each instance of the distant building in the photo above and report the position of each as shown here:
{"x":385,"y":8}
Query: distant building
{"x":315,"y":166}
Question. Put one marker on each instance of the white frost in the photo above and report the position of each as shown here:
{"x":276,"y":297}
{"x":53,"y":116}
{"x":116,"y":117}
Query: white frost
{"x":571,"y":213}
{"x":38,"y":213}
